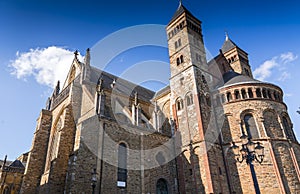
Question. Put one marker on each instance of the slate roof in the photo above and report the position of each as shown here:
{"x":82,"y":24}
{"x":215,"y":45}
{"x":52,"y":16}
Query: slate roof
{"x":232,"y":77}
{"x":123,"y":86}
{"x":180,"y":10}
{"x":228,"y":45}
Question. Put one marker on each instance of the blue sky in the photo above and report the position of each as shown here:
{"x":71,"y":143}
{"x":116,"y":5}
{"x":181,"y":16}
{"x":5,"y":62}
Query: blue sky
{"x":267,"y":30}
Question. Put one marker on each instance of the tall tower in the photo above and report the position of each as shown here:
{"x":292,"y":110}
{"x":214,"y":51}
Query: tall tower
{"x":236,"y":57}
{"x":198,"y":161}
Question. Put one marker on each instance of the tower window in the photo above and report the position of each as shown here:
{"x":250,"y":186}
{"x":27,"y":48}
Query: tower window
{"x":229,"y":97}
{"x":178,"y":43}
{"x":179,"y":60}
{"x":250,"y":94}
{"x":179,"y":104}
{"x":237,"y":94}
{"x":258,"y":92}
{"x":244,"y":95}
{"x":189,"y":99}
{"x":264,"y":93}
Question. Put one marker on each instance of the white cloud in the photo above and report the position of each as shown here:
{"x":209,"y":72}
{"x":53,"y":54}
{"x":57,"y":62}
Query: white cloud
{"x":284,"y":76}
{"x":277,"y":65}
{"x":288,"y":57}
{"x":264,"y":70}
{"x":46,"y":65}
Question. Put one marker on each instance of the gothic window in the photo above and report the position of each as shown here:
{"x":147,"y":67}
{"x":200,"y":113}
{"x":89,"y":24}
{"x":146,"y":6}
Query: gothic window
{"x":179,"y":104}
{"x":244,"y":95}
{"x":237,"y":94}
{"x":229,"y":97}
{"x":258,"y":92}
{"x":122,"y":165}
{"x":250,"y":94}
{"x":250,"y":126}
{"x":287,"y":129}
{"x":53,"y":148}
{"x":162,"y":187}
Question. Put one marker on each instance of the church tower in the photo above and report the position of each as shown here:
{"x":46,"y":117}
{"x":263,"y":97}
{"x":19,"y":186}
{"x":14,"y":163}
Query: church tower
{"x":199,"y":161}
{"x":236,"y":57}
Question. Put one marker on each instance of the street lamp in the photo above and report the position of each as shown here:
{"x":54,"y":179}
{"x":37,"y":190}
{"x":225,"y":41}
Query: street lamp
{"x":249,"y":151}
{"x":94,"y":180}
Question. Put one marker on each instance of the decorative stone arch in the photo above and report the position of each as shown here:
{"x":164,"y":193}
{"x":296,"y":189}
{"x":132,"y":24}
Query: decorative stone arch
{"x":162,"y":186}
{"x":287,"y":126}
{"x":249,"y":122}
{"x":54,"y":137}
{"x":179,"y":104}
{"x":271,"y":124}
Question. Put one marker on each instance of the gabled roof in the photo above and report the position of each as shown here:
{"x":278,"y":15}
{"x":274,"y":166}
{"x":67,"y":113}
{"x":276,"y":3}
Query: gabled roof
{"x":180,"y":10}
{"x":17,"y":164}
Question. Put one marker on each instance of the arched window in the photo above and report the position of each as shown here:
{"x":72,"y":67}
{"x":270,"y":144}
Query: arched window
{"x":287,"y":129}
{"x":162,"y":187}
{"x":178,"y":61}
{"x":54,"y":144}
{"x":237,"y":94}
{"x":250,"y":94}
{"x":181,"y":59}
{"x":250,"y":126}
{"x":229,"y":97}
{"x":179,"y":104}
{"x":264,"y":93}
{"x":258,"y":93}
{"x":189,"y":99}
{"x":122,"y":165}
{"x":244,"y":95}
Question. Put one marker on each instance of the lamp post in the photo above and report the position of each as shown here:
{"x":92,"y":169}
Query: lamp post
{"x":249,"y":151}
{"x":94,"y":180}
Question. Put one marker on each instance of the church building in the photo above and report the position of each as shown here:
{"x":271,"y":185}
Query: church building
{"x":213,"y":129}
